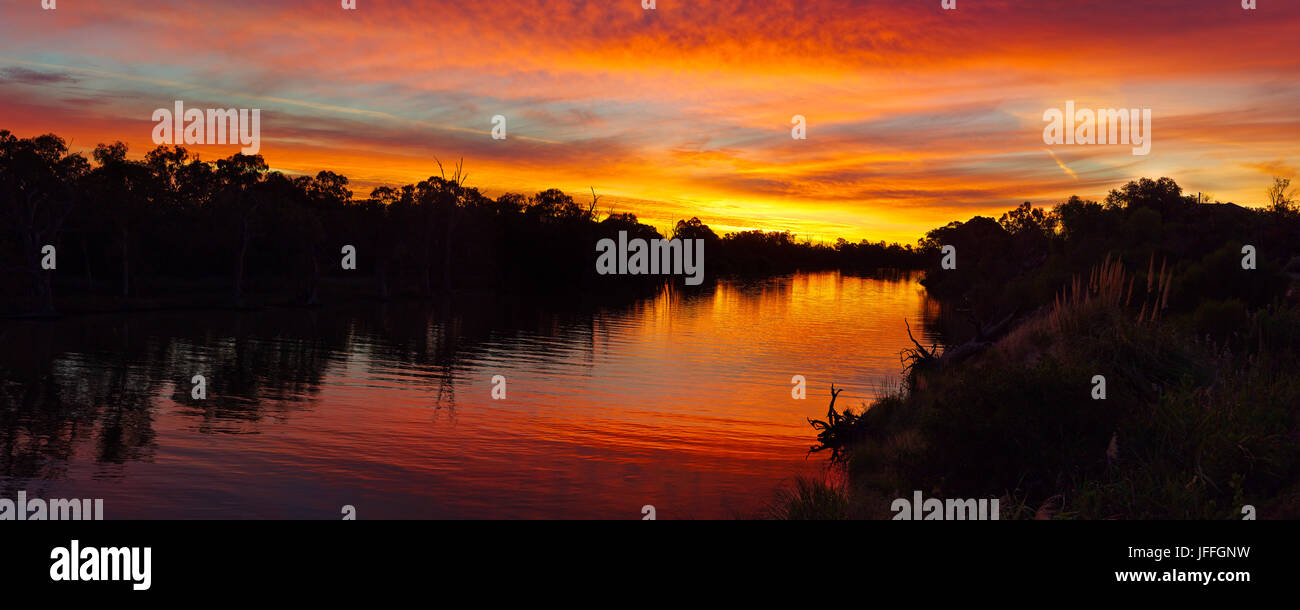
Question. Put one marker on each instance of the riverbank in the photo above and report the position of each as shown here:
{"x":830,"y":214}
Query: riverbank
{"x":1102,"y":405}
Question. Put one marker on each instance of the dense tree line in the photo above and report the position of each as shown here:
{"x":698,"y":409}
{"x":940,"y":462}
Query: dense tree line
{"x":173,"y":223}
{"x":1021,"y":260}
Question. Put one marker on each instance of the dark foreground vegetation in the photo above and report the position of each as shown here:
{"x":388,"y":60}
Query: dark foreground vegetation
{"x":1201,"y":360}
{"x":174,"y":230}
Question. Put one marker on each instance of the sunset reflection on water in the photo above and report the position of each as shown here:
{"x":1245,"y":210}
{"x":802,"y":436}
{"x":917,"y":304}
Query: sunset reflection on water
{"x":681,"y":401}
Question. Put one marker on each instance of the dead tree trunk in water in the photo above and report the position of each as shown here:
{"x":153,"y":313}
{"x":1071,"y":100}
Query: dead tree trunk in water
{"x":838,"y":430}
{"x":831,"y":415}
{"x":922,"y":353}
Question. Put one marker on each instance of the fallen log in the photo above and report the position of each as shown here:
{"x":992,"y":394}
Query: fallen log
{"x":985,"y":337}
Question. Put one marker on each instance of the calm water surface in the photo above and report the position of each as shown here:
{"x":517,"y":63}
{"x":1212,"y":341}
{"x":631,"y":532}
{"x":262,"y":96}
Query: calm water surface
{"x":681,"y":401}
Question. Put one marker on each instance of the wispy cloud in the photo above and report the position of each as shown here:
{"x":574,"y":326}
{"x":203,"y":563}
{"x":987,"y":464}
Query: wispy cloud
{"x":1069,"y":172}
{"x":915,"y":115}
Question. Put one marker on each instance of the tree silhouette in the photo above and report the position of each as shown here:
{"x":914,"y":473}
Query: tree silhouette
{"x":171,"y":227}
{"x":1280,"y":197}
{"x":122,"y":190}
{"x":38,"y":191}
{"x":241,"y":191}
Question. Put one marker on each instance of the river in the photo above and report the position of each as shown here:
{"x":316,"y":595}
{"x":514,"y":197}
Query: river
{"x":681,"y":401}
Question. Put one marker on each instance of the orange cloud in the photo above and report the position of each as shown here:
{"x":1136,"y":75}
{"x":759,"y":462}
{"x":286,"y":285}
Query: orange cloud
{"x":916,"y":115}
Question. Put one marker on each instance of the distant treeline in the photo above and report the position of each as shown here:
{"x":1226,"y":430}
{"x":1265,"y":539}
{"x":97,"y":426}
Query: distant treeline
{"x":226,"y":232}
{"x":1022,"y":260}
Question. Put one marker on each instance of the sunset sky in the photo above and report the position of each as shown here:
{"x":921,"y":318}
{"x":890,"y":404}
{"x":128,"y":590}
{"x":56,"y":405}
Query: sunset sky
{"x":916,"y":115}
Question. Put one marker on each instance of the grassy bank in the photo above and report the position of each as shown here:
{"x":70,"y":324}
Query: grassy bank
{"x":1199,"y":417}
{"x":1199,"y":352}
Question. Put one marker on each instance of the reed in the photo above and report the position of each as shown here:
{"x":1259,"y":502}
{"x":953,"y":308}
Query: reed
{"x":1109,"y":287}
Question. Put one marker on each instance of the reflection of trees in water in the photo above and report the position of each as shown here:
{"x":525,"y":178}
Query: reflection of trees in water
{"x":51,"y":401}
{"x":942,"y":322}
{"x":256,"y":365}
{"x":451,"y":341}
{"x":99,"y":380}
{"x":96,"y":379}
{"x":947,"y":323}
{"x":26,"y":441}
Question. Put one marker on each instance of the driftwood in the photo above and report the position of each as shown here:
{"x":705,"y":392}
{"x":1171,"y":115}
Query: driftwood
{"x":918,"y":357}
{"x":842,"y":429}
{"x":838,"y":429}
{"x":923,"y":353}
{"x":985,"y":337}
{"x":832,"y":418}
{"x":964,"y":351}
{"x":992,"y":333}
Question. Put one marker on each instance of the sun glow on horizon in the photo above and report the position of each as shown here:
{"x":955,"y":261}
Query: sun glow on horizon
{"x":915,"y":116}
